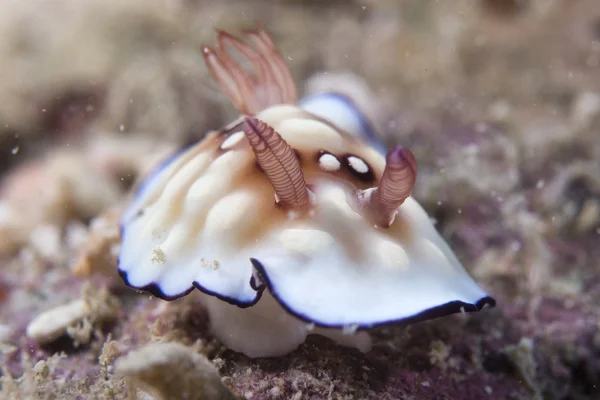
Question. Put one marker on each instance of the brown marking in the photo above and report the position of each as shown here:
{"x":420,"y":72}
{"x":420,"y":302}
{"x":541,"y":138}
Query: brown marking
{"x":244,"y":175}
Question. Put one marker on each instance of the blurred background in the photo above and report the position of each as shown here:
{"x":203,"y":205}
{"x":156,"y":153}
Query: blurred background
{"x":498,"y":99}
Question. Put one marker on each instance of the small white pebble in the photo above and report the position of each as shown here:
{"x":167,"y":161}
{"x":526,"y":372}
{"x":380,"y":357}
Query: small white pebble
{"x":329,"y":162}
{"x":15,"y":150}
{"x":51,"y":324}
{"x":172,"y":370}
{"x":232,"y":140}
{"x":55,"y":322}
{"x":488,"y":390}
{"x":41,"y":370}
{"x":358,"y":165}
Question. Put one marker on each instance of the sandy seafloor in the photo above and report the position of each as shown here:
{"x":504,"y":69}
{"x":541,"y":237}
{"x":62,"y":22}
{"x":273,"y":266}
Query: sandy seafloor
{"x":498,"y":99}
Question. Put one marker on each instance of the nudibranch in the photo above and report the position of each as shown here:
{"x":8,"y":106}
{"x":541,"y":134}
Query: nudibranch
{"x":289,"y":220}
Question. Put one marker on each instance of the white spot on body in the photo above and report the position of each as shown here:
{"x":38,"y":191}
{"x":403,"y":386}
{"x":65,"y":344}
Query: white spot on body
{"x":158,"y":256}
{"x":328,"y":162}
{"x":392,"y":255}
{"x":206,"y":188}
{"x":202,"y":195}
{"x":228,"y":216}
{"x":304,"y":133}
{"x":232,"y":140}
{"x":358,"y":165}
{"x":306,"y":242}
{"x":230,"y":163}
{"x":210,"y":264}
{"x":167,"y":205}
